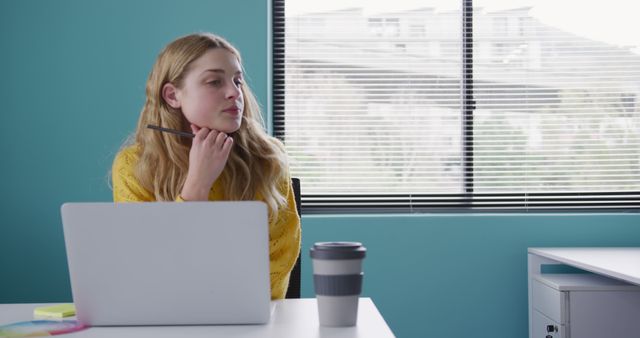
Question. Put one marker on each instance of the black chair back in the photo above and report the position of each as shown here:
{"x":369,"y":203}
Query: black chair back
{"x":294,"y":281}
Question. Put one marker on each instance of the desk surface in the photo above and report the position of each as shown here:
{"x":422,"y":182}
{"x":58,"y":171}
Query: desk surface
{"x":290,"y":318}
{"x":620,"y":263}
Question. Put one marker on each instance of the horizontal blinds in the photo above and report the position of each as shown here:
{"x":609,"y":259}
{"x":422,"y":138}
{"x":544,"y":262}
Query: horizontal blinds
{"x":365,"y":111}
{"x":555,"y":111}
{"x":370,"y":106}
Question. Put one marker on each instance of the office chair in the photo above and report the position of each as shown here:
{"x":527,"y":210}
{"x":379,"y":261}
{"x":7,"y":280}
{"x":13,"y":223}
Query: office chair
{"x":294,"y":281}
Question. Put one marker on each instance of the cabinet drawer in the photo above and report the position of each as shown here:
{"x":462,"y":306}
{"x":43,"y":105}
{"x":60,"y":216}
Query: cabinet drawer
{"x":544,"y":327}
{"x":548,"y":301}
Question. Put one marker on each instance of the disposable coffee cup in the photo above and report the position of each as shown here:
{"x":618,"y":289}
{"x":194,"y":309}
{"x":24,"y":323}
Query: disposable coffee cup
{"x":337,"y":280}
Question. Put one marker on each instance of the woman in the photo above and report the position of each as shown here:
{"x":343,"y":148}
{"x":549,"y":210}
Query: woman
{"x":197,"y":84}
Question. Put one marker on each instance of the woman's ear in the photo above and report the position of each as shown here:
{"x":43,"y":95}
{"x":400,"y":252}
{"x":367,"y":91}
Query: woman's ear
{"x":170,"y":95}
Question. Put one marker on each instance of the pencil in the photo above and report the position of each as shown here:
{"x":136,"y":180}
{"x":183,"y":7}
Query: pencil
{"x":173,"y":131}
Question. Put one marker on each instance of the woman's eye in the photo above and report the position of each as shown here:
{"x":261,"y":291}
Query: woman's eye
{"x":239,"y":83}
{"x":215,"y":82}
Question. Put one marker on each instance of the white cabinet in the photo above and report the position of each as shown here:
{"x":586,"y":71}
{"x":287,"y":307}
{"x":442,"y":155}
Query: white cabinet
{"x":584,"y":306}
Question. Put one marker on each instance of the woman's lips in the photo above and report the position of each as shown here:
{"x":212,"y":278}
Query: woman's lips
{"x":232,"y":111}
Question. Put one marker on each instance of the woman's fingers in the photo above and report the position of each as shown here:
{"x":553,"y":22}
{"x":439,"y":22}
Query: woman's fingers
{"x":226,"y":147}
{"x":212,"y":138}
{"x":215,"y":139}
{"x":201,"y":133}
{"x":220,"y":138}
{"x":194,"y":128}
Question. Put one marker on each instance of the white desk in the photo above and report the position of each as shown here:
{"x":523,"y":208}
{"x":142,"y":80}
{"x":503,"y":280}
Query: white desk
{"x":618,"y":263}
{"x":290,"y":318}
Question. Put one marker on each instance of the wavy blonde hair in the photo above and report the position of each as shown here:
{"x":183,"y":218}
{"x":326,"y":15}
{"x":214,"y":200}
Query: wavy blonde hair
{"x":256,"y":168}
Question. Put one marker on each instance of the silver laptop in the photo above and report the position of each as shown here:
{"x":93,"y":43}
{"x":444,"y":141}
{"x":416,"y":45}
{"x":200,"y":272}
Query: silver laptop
{"x":168,"y":263}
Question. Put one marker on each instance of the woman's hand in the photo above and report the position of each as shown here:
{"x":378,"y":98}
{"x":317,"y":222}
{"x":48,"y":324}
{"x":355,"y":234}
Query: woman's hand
{"x":208,"y":156}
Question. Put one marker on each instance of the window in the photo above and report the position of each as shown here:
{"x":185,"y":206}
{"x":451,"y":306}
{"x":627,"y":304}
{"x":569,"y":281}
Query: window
{"x":417,"y":31}
{"x":384,"y":27}
{"x":375,"y":119}
{"x":501,"y":25}
{"x":376,"y":26}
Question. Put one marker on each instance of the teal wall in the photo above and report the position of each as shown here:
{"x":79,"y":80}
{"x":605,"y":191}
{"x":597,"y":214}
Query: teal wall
{"x":459,"y":275}
{"x":72,"y":87}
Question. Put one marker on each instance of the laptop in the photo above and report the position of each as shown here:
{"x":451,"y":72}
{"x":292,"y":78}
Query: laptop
{"x":166,"y":263}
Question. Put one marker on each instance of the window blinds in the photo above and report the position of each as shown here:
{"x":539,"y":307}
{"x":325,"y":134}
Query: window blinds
{"x":438,"y":108}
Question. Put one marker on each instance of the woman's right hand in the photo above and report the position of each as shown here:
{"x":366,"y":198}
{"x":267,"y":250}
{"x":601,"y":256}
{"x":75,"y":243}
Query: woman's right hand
{"x":209,"y":152}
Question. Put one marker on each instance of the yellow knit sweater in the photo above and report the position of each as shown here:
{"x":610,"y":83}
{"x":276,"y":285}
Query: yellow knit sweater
{"x":284,"y":234}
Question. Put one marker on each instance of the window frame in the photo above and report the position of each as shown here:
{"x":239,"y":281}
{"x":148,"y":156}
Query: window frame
{"x":468,"y":201}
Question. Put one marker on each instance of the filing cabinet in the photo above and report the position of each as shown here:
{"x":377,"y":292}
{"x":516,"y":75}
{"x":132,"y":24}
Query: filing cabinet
{"x":584,"y":306}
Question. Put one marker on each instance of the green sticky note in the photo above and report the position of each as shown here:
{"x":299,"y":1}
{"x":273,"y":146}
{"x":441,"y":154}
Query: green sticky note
{"x":57,"y":311}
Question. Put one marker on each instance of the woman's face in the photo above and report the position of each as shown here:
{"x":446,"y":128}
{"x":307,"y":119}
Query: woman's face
{"x":211,"y":94}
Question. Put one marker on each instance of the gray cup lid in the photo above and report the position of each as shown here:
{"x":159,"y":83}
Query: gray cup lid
{"x":338,"y":250}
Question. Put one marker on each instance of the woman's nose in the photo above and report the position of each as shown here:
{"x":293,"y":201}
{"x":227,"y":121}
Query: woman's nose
{"x":233,"y":91}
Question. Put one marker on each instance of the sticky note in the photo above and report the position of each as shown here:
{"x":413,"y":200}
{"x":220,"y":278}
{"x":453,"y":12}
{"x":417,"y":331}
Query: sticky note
{"x":58,"y":311}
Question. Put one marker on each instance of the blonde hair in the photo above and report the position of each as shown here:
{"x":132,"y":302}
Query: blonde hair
{"x":256,"y":167}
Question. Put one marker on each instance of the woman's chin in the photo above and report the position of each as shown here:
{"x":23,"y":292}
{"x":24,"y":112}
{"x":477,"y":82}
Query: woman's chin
{"x":228,"y":128}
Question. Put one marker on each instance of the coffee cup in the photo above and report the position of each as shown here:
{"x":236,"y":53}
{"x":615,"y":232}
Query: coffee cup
{"x":337,"y":279}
